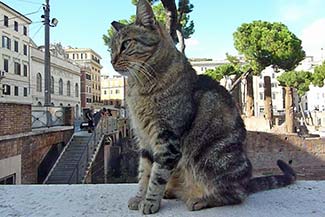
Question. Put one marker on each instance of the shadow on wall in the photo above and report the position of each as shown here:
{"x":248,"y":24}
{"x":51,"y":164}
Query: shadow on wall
{"x":306,"y":155}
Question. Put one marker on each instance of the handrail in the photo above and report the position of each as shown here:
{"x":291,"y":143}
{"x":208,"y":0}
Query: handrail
{"x":57,"y":160}
{"x":88,"y":149}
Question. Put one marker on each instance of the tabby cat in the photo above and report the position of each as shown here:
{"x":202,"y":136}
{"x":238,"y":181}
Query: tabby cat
{"x":189,"y":130}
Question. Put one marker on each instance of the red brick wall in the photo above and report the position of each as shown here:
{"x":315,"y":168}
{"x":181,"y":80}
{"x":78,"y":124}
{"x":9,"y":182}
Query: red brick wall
{"x":15,"y":118}
{"x":307,"y":155}
{"x":32,"y":149}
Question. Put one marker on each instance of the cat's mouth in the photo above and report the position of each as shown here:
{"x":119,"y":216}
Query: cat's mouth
{"x":123,"y":71}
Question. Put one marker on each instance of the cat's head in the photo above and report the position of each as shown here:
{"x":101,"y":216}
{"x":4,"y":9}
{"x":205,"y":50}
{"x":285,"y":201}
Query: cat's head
{"x":139,"y":48}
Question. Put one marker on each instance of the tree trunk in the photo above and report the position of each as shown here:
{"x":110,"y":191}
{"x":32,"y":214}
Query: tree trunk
{"x":268,"y":100}
{"x":236,"y":93}
{"x":289,"y":110}
{"x":171,"y":17}
{"x":250,"y":97}
{"x":181,"y":40}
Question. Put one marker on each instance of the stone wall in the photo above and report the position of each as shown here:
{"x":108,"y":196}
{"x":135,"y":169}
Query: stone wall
{"x":32,"y":147}
{"x":15,"y":118}
{"x":306,"y":154}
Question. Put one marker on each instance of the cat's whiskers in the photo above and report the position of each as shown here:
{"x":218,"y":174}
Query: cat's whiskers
{"x":143,"y":70}
{"x":134,"y":74}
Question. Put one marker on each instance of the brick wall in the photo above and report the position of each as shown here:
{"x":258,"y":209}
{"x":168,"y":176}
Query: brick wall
{"x":307,"y":155}
{"x":15,"y":118}
{"x":32,"y":149}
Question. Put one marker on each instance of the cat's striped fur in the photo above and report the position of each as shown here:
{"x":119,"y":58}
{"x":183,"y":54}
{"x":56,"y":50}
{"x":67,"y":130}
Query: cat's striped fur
{"x":189,"y":131}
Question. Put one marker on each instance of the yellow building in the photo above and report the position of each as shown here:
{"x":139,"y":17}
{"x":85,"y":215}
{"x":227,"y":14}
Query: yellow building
{"x":113,"y":90}
{"x":87,"y":57}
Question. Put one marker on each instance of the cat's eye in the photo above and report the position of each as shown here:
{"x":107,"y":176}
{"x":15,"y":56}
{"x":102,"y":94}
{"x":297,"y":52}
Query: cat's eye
{"x":125,"y":44}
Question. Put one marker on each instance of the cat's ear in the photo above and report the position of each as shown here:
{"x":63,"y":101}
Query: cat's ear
{"x":145,"y":16}
{"x":117,"y":26}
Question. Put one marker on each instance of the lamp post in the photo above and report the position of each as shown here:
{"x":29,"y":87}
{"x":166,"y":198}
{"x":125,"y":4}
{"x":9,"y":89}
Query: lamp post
{"x":47,"y":60}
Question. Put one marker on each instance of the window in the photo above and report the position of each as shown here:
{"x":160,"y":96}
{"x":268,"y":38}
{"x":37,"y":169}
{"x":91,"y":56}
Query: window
{"x":273,"y":96}
{"x":25,"y":70}
{"x":88,"y":77}
{"x":81,"y":56}
{"x":5,"y":21}
{"x":68,"y":88}
{"x":16,"y":91}
{"x":25,"y":91}
{"x":25,"y":49}
{"x":85,"y":56}
{"x":25,"y":30}
{"x":6,"y":89}
{"x":60,"y":87}
{"x":16,"y":26}
{"x":39,"y":82}
{"x":76,"y":89}
{"x":72,"y":56}
{"x":105,"y":92}
{"x":8,"y":180}
{"x":17,"y":68}
{"x":274,"y":85}
{"x":6,"y":43}
{"x":117,"y":91}
{"x":52,"y":84}
{"x":261,"y":96}
{"x":16,"y":46}
{"x":6,"y":65}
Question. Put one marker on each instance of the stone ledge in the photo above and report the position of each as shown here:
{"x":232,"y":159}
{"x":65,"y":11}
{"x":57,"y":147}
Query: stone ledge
{"x":305,"y":198}
{"x":36,"y":132}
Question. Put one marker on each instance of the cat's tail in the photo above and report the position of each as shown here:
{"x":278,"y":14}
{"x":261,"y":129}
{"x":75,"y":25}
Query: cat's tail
{"x":270,"y":182}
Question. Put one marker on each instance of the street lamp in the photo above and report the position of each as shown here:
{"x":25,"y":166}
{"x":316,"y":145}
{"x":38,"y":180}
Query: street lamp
{"x":47,"y":63}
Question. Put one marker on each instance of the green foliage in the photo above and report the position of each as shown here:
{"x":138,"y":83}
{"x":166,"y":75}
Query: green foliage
{"x":221,"y":71}
{"x":318,"y":76}
{"x":184,"y":9}
{"x":264,"y":44}
{"x":300,"y":80}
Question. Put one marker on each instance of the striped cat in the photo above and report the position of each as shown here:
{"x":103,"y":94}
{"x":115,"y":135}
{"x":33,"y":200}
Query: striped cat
{"x":189,"y":131}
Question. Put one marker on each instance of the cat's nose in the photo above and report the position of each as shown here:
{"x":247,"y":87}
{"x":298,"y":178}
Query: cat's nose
{"x":113,"y":60}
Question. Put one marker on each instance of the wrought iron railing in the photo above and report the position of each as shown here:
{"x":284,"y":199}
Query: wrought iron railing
{"x":47,"y":116}
{"x":106,"y":126}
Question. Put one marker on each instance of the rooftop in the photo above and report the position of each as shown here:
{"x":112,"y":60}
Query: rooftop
{"x":305,"y":198}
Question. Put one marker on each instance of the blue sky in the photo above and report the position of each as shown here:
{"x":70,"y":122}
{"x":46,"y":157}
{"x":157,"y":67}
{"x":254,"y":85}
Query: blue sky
{"x":82,"y":23}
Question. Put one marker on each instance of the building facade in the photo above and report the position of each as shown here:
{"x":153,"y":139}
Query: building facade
{"x":86,"y":87}
{"x":14,"y":56}
{"x":86,"y":57}
{"x":65,"y":78}
{"x":201,"y":65}
{"x":113,"y":90}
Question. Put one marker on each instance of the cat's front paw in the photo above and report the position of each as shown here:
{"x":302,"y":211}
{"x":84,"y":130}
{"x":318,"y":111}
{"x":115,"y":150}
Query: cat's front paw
{"x":149,"y":206}
{"x":134,"y":202}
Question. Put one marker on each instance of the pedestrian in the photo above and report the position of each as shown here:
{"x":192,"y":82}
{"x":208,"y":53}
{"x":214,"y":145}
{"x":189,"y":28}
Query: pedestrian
{"x":97,"y":117}
{"x":90,"y":119}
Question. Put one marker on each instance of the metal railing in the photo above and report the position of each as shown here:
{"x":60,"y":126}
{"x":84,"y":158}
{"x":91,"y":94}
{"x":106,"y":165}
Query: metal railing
{"x":47,"y":116}
{"x":106,"y":126}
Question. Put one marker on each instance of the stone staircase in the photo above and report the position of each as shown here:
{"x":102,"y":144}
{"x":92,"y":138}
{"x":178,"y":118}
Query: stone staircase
{"x":65,"y":168}
{"x":76,"y":159}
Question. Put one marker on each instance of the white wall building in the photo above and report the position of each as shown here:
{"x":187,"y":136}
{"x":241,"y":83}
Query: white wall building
{"x":14,"y":56}
{"x":65,"y":78}
{"x":201,"y":65}
{"x":113,"y":88}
